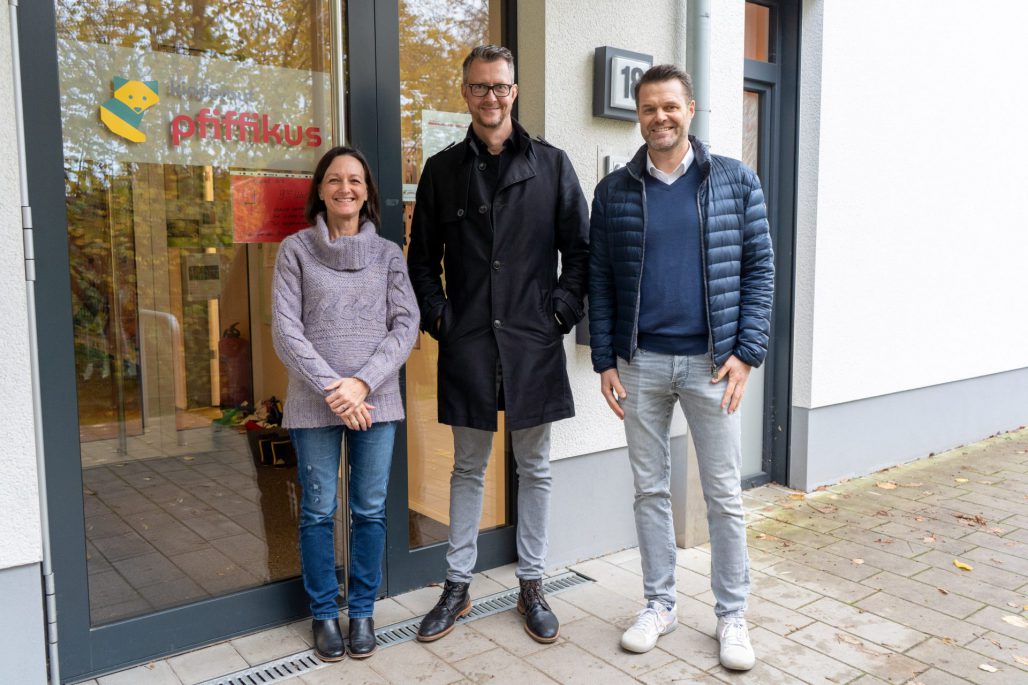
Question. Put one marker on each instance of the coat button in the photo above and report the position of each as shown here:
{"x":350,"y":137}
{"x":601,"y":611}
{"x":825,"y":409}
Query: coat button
{"x":497,"y":265}
{"x":481,"y":166}
{"x":497,"y":323}
{"x":460,"y":212}
{"x":483,"y":209}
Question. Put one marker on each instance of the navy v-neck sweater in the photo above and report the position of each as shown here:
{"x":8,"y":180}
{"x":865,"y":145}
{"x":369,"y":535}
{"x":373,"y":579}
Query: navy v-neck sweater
{"x":672,"y":312}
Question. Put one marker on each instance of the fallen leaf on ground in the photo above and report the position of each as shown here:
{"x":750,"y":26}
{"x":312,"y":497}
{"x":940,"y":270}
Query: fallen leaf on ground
{"x":949,"y":641}
{"x":1014,"y":604}
{"x":962,"y":566}
{"x":996,"y":561}
{"x":976,"y":520}
{"x":886,"y":485}
{"x":919,"y":518}
{"x":960,"y":480}
{"x":910,"y":485}
{"x":988,"y":668}
{"x":930,"y":539}
{"x":942,"y":590}
{"x":820,"y":488}
{"x":884,"y":541}
{"x":826,"y":509}
{"x":842,"y":637}
{"x":1017,"y":621}
{"x":858,"y":562}
{"x":927,"y":492}
{"x":997,"y":531}
{"x":882,"y":512}
{"x":797,"y":495}
{"x":1020,"y":659}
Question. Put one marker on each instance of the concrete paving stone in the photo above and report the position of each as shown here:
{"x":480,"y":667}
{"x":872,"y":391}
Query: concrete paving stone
{"x":864,"y":624}
{"x":1005,"y":545}
{"x":462,"y":643}
{"x":145,"y":520}
{"x":1002,"y":648}
{"x":773,"y":617}
{"x":1015,"y":521}
{"x":153,"y":673}
{"x":875,"y":538}
{"x":871,"y":680}
{"x":689,"y":582}
{"x":963,"y":663}
{"x":840,"y":566}
{"x":124,"y":546}
{"x":693,"y":613}
{"x":128,"y":503}
{"x":569,"y":664}
{"x":268,"y":645}
{"x":880,"y":557}
{"x":247,"y":550}
{"x":919,"y":618}
{"x":995,"y":501}
{"x":706,"y":598}
{"x":345,"y":672}
{"x":1019,"y":534}
{"x":934,"y":676}
{"x":410,"y":662}
{"x":792,"y":657}
{"x":896,"y":531}
{"x":598,"y":602}
{"x":999,"y":489}
{"x":969,"y":586}
{"x":794,"y":534}
{"x":915,"y":591}
{"x":96,"y":561}
{"x":984,"y":573}
{"x":780,"y":591}
{"x":800,"y":514}
{"x":696,"y":648}
{"x":612,"y":577}
{"x":131,"y":605}
{"x":604,"y":641}
{"x":1016,"y":476}
{"x":507,"y":628}
{"x":698,"y":561}
{"x":957,"y":508}
{"x":173,"y":538}
{"x":565,"y":611}
{"x":761,"y":674}
{"x":999,"y":560}
{"x":499,"y":667}
{"x":850,"y":649}
{"x":677,"y":673}
{"x":993,"y":619}
{"x":148,"y":569}
{"x":214,"y":572}
{"x":622,"y":556}
{"x":504,"y":575}
{"x":172,"y":593}
{"x":482,"y":585}
{"x":388,"y":611}
{"x":819,"y":581}
{"x":303,"y":630}
{"x":632,"y":565}
{"x":420,"y":602}
{"x":209,"y":662}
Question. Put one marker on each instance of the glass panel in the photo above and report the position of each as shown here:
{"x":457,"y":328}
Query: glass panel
{"x":758,"y":32}
{"x":434,"y":39}
{"x":190,"y":130}
{"x":751,"y":129}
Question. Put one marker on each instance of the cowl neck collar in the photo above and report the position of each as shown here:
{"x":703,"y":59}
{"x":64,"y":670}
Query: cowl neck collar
{"x":345,"y":253}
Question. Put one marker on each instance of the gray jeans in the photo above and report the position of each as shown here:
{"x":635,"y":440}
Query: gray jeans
{"x":471,"y":448}
{"x":654,"y":382}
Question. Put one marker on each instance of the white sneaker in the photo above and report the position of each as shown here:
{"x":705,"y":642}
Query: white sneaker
{"x":650,"y":623}
{"x":736,"y":650}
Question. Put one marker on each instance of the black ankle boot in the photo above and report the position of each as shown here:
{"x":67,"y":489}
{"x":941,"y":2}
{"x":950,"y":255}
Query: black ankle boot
{"x":453,"y":604}
{"x":361,"y":643}
{"x":328,"y":640}
{"x":540,"y":621}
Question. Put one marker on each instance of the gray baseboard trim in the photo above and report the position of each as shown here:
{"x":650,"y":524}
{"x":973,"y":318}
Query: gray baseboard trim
{"x":23,"y":647}
{"x":855,"y":438}
{"x":591,"y":503}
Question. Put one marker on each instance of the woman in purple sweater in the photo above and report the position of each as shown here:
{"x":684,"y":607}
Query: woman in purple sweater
{"x":344,"y":320}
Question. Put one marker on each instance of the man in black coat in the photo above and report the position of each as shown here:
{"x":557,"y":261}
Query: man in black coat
{"x":496,"y":210}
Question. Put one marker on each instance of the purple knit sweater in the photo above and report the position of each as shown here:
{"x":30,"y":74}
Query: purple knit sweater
{"x":341,"y":309}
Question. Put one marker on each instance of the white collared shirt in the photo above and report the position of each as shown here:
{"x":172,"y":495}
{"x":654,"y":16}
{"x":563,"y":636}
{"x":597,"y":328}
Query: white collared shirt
{"x":676,"y":174}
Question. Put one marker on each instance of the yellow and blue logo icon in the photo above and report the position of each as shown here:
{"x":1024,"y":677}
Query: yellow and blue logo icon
{"x":123,"y":113}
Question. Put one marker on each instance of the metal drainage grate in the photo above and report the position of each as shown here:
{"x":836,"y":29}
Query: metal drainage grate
{"x":303,"y":662}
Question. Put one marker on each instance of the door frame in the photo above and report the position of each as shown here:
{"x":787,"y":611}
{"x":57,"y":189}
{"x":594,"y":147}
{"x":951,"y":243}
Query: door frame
{"x":778,"y":83}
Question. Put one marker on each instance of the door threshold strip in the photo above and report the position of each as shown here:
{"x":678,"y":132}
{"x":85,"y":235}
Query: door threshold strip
{"x":287,"y":667}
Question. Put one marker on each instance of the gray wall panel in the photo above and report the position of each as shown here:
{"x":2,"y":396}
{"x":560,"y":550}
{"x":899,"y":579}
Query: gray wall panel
{"x":23,"y":647}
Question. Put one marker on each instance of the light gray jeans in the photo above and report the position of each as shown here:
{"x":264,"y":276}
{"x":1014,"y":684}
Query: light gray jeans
{"x":471,"y":448}
{"x":654,"y":382}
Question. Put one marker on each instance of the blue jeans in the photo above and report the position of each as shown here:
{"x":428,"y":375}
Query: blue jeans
{"x":654,"y":383}
{"x":370,"y":455}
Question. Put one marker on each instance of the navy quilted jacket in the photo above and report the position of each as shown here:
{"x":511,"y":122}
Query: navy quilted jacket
{"x":737,"y":258}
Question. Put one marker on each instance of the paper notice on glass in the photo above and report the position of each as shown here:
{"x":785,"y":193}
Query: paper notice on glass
{"x":266,"y":207}
{"x":439,"y":129}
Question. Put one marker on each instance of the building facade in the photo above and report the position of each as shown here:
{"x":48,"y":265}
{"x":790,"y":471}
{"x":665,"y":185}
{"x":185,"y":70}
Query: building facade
{"x":167,"y":152}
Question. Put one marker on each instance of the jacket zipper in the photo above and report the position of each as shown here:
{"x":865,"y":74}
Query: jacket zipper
{"x":704,"y":188}
{"x":638,"y":285}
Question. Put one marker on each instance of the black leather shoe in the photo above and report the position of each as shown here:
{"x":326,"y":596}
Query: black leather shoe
{"x":540,"y":621}
{"x":328,"y":640}
{"x":453,"y":604}
{"x":361,"y":643}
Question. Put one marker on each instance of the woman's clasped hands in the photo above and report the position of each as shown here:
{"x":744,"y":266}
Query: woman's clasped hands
{"x":346,"y":399}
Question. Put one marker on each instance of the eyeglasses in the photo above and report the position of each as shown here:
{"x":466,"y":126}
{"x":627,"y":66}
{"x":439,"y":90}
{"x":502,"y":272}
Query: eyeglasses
{"x":500,"y":90}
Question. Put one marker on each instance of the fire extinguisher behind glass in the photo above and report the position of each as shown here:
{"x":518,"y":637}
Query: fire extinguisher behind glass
{"x":234,"y":355}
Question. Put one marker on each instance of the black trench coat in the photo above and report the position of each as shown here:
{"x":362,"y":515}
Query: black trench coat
{"x":502,"y":290}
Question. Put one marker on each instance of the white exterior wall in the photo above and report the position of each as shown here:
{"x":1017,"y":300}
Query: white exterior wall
{"x":557,"y":39}
{"x":912,"y":177}
{"x":20,"y":541}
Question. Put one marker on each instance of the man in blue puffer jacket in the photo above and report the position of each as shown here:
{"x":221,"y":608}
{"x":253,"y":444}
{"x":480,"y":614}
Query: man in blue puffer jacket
{"x":681,"y":278}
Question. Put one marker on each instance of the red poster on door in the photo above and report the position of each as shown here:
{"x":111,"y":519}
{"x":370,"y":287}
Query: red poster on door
{"x":267,"y":209}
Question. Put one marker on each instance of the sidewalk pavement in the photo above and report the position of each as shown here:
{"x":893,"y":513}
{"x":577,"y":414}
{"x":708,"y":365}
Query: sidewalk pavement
{"x":915,"y":574}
